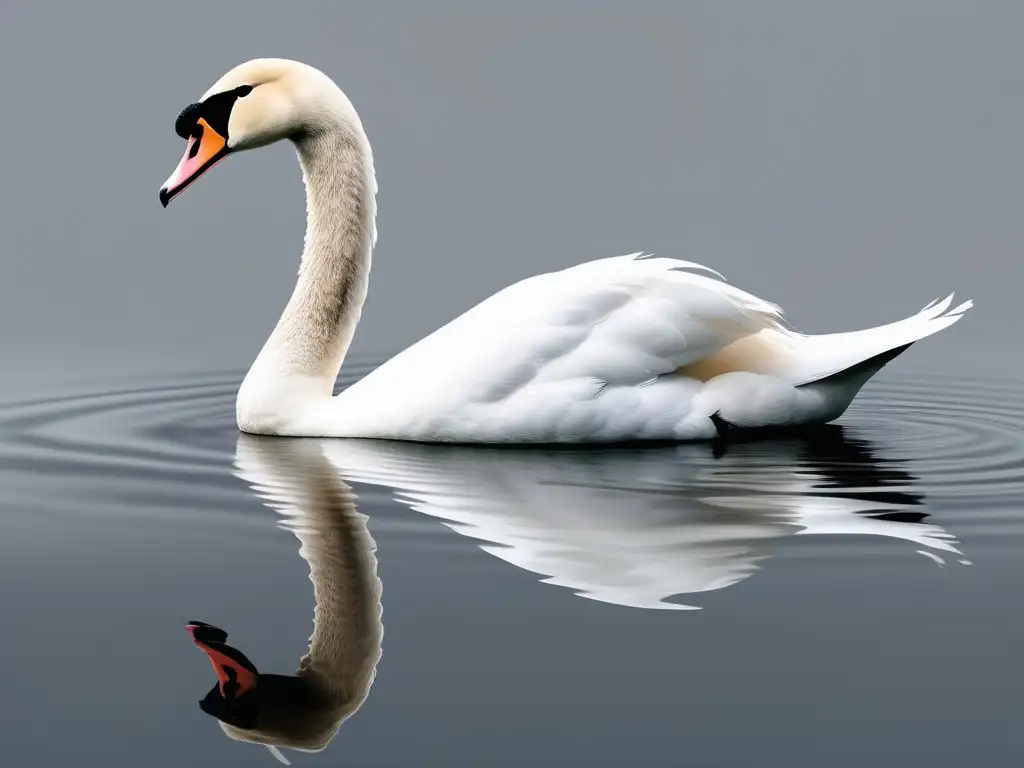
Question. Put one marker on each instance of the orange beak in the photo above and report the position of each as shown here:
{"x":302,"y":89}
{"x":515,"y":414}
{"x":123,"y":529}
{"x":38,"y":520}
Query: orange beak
{"x":205,"y":149}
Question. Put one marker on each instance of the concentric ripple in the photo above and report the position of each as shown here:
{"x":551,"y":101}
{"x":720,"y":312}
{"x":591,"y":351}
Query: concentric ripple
{"x":145,"y":445}
{"x":173,"y":442}
{"x":965,"y":436}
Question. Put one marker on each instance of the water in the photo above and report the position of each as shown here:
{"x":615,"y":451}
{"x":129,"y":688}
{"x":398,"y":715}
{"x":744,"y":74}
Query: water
{"x":843,"y":598}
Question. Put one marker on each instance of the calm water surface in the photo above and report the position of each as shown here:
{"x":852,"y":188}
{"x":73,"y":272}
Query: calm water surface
{"x":850,"y":597}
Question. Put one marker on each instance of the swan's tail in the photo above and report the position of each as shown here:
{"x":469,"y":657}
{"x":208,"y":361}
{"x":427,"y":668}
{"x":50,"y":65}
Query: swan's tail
{"x":857,"y":355}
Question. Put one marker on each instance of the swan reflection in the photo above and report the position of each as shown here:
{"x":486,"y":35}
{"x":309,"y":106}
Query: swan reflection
{"x":632,"y":527}
{"x":305,"y":710}
{"x":635,"y":527}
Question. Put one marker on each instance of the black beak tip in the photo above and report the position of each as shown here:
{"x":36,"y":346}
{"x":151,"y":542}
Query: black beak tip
{"x":165,"y":197}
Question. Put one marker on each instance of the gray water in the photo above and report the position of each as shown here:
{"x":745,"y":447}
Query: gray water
{"x":846,"y":598}
{"x":856,"y":586}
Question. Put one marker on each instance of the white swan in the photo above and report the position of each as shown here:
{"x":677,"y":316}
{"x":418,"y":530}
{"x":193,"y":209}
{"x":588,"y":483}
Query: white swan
{"x":624,"y":348}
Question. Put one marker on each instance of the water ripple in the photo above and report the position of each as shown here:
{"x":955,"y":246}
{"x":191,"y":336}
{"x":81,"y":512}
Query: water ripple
{"x":962,"y":438}
{"x":965,"y":435}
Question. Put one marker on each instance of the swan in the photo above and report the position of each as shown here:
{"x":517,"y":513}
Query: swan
{"x":626,"y":348}
{"x":304,"y":711}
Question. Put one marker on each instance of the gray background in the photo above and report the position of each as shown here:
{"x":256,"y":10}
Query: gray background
{"x":848,"y":160}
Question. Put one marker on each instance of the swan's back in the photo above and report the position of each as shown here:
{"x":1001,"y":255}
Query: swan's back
{"x":626,"y":348}
{"x":590,"y":352}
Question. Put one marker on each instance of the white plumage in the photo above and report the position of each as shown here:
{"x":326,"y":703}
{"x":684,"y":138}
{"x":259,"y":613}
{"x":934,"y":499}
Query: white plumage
{"x":626,"y":348}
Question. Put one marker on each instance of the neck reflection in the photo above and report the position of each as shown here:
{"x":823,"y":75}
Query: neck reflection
{"x":304,"y":711}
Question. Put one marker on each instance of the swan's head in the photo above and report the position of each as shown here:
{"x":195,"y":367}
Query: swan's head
{"x":255,"y":104}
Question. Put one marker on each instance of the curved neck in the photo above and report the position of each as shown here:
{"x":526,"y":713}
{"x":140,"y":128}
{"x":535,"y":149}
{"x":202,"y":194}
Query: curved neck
{"x":305,"y":351}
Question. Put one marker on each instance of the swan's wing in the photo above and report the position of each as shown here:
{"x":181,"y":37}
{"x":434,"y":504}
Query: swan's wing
{"x":560,"y":338}
{"x":620,"y":320}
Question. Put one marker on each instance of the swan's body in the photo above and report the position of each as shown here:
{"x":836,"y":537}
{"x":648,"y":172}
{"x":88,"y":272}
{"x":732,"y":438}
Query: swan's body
{"x":626,"y":348}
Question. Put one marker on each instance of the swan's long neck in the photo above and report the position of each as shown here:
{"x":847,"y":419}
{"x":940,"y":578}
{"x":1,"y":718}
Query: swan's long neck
{"x":300,"y":361}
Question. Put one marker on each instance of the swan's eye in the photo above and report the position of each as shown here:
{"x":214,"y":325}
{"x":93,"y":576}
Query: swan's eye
{"x":243,"y":91}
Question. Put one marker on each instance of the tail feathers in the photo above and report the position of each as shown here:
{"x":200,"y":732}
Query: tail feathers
{"x":861,"y":371}
{"x":938,"y":308}
{"x":860,"y":354}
